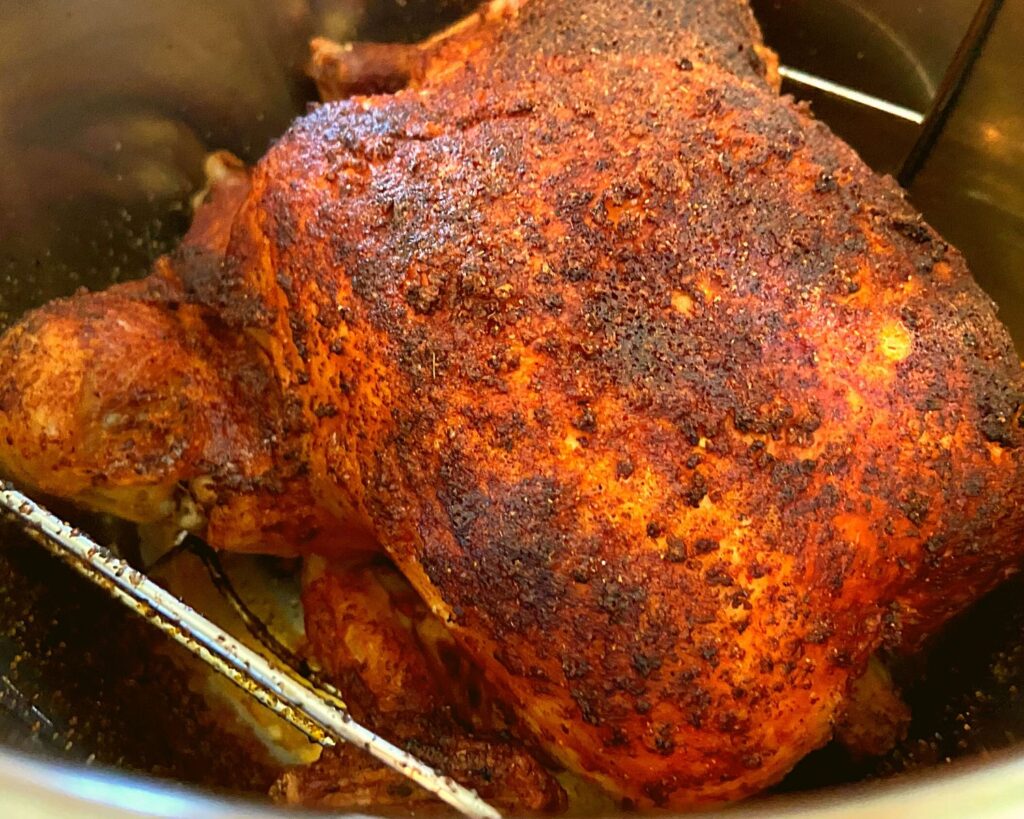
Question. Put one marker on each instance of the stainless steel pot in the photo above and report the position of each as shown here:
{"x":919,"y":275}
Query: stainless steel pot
{"x":107,"y":108}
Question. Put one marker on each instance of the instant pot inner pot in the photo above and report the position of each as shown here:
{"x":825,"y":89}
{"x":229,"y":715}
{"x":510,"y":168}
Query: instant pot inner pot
{"x":107,"y":109}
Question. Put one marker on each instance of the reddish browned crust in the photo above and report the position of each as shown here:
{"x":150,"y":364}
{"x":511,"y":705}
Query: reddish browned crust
{"x":517,"y":32}
{"x":666,"y":403}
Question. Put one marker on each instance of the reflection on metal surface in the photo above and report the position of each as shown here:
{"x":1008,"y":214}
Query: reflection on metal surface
{"x":16,"y":703}
{"x":972,"y":186}
{"x":850,"y":94}
{"x":892,"y":52}
{"x":275,"y":688}
{"x":953,"y":83}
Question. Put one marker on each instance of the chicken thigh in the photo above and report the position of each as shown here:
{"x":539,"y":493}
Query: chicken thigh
{"x":669,"y":408}
{"x":403,"y":676}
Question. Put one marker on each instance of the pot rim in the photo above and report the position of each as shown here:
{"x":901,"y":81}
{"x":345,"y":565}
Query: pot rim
{"x":987,"y":786}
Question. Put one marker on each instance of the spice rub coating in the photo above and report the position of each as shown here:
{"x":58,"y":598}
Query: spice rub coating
{"x":671,"y":407}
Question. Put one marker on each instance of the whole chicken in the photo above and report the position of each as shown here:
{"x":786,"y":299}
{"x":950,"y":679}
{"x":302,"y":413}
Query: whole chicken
{"x":670,"y":410}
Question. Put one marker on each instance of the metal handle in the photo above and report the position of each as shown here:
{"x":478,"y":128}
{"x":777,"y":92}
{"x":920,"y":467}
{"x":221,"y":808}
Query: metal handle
{"x":274,"y":687}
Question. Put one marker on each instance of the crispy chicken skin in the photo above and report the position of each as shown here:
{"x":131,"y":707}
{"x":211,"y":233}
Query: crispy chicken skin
{"x":664,"y":403}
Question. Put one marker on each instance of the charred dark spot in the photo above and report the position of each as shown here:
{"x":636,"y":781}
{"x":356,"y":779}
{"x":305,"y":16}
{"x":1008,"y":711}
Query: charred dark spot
{"x":718,"y":576}
{"x":575,"y":667}
{"x":914,"y":229}
{"x":915,"y":507}
{"x":676,"y":552}
{"x":589,"y":710}
{"x":509,"y":431}
{"x":697,"y":490}
{"x":325,"y":410}
{"x":645,"y":664}
{"x":664,"y":743}
{"x":619,"y":601}
{"x":705,"y":546}
{"x":820,"y":632}
{"x":996,"y":428}
{"x":507,"y":540}
{"x":423,"y":298}
{"x":577,"y":274}
{"x":826,"y":183}
{"x":554,"y":302}
{"x":586,"y":421}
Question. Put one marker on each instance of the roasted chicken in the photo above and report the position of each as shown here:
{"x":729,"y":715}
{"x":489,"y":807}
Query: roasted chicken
{"x":668,"y":408}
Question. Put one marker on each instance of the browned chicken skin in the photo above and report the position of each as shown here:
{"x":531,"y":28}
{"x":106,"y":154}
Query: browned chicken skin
{"x":663,"y":402}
